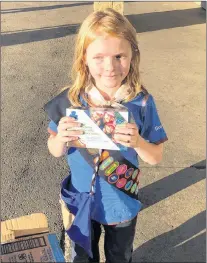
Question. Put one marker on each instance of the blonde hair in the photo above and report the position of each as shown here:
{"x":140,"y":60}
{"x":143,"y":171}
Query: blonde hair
{"x":111,"y":23}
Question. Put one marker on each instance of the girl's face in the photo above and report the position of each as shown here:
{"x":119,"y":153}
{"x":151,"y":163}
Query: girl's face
{"x":108,"y":59}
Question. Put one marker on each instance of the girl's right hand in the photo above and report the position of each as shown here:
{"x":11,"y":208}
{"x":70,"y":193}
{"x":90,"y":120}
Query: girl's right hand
{"x":65,"y":130}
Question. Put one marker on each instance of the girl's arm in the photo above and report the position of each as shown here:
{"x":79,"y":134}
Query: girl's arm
{"x":149,"y":152}
{"x":65,"y":134}
{"x":128,"y":135}
{"x":56,"y":147}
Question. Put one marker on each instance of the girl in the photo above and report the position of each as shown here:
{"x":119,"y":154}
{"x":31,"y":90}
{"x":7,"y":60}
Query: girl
{"x":106,"y":73}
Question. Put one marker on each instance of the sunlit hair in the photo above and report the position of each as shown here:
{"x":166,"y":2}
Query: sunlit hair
{"x":111,"y":23}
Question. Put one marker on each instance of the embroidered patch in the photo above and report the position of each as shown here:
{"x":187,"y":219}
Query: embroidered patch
{"x":134,"y":175}
{"x":128,"y":185}
{"x":112,"y":179}
{"x":104,"y":155}
{"x":111,"y":168}
{"x":129,"y":172}
{"x":137,"y":190}
{"x":106,"y":163}
{"x":121,"y":169}
{"x":121,"y":183}
{"x":133,"y":188}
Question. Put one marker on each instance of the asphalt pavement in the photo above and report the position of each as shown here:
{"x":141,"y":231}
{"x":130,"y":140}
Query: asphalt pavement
{"x":37,"y":51}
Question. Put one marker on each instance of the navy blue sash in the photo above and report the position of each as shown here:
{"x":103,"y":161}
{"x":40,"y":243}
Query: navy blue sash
{"x":113,"y":168}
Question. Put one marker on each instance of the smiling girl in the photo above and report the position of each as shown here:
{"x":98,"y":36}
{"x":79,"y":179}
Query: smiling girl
{"x":106,"y":72}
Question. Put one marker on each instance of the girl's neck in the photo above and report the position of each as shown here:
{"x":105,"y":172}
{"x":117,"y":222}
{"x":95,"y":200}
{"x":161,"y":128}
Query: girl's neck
{"x":108,"y":94}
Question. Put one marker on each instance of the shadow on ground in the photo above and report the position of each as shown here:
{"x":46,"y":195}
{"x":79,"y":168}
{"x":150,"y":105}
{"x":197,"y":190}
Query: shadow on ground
{"x":163,"y":188}
{"x":39,"y":34}
{"x":142,"y":23}
{"x":40,"y":8}
{"x":182,"y":244}
{"x":168,"y":19}
{"x":186,"y":242}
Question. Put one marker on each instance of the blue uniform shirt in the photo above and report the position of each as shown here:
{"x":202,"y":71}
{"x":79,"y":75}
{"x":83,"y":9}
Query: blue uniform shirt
{"x":110,"y":205}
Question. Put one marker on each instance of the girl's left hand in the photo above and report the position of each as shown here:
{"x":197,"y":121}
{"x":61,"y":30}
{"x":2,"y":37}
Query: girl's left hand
{"x":127,"y":134}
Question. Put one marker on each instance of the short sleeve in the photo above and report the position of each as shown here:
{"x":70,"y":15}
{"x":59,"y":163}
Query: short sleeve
{"x":52,"y":128}
{"x":152,"y":129}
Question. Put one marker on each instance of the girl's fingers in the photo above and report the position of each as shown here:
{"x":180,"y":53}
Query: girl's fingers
{"x":66,"y":119}
{"x":126,"y":131}
{"x":70,"y":133}
{"x":127,"y":144}
{"x":69,"y":139}
{"x":68,"y":125}
{"x":122,"y":137}
{"x":127,"y":125}
{"x":127,"y":128}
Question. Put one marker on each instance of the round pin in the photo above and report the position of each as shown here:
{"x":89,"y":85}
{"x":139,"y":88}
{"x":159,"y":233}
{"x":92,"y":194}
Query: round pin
{"x":106,"y":163}
{"x":134,"y":175}
{"x":111,"y":168}
{"x":121,"y":182}
{"x":133,"y":188}
{"x":128,"y":185}
{"x":129,"y":172}
{"x":121,"y":169}
{"x":112,"y":179}
{"x":137,"y":190}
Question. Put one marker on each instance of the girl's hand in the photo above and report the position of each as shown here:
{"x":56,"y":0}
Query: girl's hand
{"x":127,"y":134}
{"x":67,"y":130}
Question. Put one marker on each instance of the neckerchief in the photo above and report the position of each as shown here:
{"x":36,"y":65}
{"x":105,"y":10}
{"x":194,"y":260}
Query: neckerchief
{"x":97,"y":98}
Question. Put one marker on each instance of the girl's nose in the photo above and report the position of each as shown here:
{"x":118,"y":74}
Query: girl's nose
{"x":109,"y":64}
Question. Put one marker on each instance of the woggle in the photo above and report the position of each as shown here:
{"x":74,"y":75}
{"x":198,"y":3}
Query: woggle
{"x":133,"y":188}
{"x":121,"y":169}
{"x":129,"y":172}
{"x":112,"y":179}
{"x":106,"y":163}
{"x":128,"y":185}
{"x":134,"y":175}
{"x":121,"y":182}
{"x":111,"y":168}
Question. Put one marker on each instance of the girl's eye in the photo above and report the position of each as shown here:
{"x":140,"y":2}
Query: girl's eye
{"x":98,"y":58}
{"x":118,"y":56}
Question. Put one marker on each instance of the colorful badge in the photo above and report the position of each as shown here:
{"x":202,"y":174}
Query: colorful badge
{"x":129,"y":172}
{"x":106,"y":163}
{"x":111,"y":168}
{"x":128,"y":185}
{"x":138,"y":177}
{"x":133,"y":188}
{"x":137,"y":190}
{"x":121,"y":182}
{"x":112,"y":179}
{"x":134,"y":175}
{"x":104,"y":155}
{"x":121,"y":169}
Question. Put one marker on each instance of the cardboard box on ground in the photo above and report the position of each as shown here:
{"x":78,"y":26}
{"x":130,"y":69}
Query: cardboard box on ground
{"x":27,"y":239}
